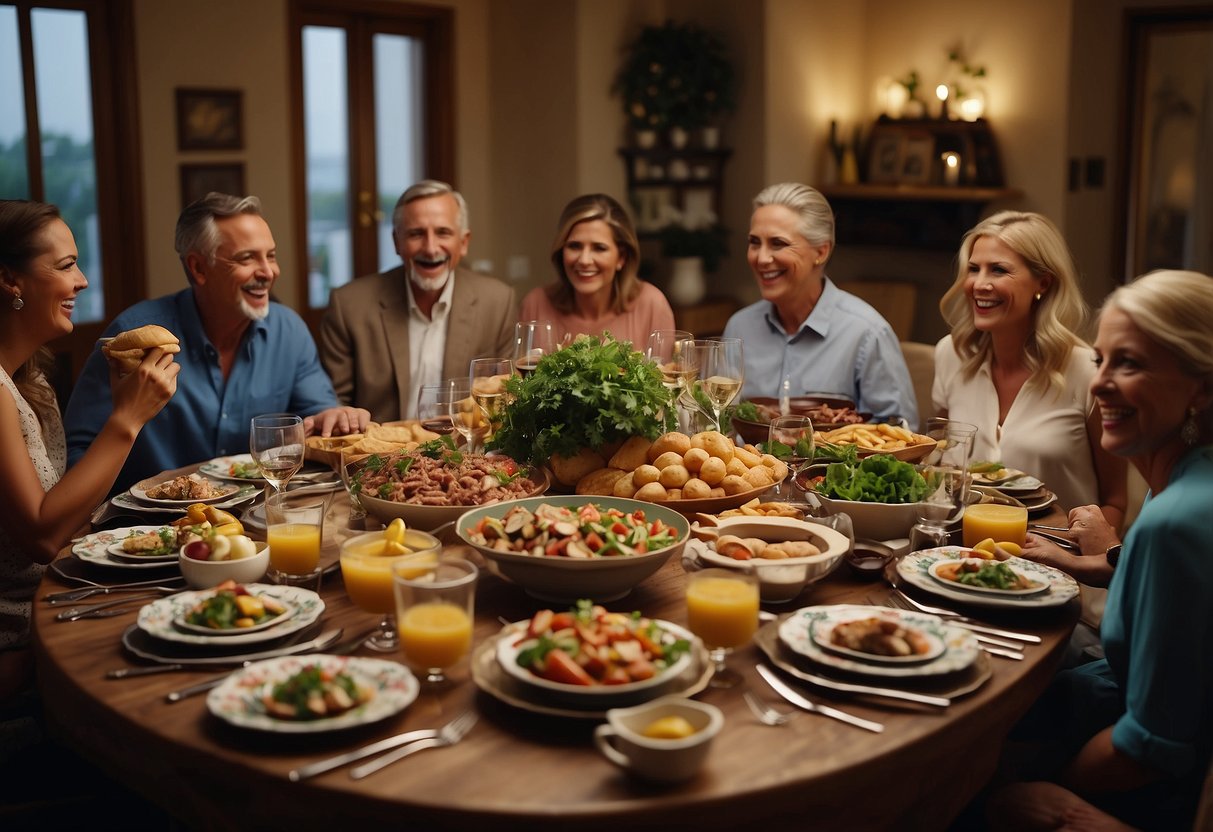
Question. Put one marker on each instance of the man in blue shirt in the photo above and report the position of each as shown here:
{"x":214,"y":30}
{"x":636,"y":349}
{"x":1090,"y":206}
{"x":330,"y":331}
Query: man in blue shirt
{"x":241,"y":354}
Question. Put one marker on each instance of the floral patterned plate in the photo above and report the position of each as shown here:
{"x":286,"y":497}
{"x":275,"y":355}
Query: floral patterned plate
{"x":94,"y":549}
{"x":159,"y":617}
{"x":915,"y":567}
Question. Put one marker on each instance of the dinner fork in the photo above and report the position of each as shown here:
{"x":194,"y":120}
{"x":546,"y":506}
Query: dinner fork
{"x":449,"y":734}
{"x":321,"y":766}
{"x":959,"y":620}
{"x":993,"y":646}
{"x":103,"y":610}
{"x":765,"y":713}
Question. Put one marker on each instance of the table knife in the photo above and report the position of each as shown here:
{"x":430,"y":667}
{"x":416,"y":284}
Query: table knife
{"x":786,"y":691}
{"x":321,"y":642}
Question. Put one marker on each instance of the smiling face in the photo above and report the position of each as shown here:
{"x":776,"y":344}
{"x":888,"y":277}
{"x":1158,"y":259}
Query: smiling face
{"x":237,"y":284}
{"x":50,"y":283}
{"x":1143,"y":392}
{"x":1001,"y":288}
{"x":788,"y":268}
{"x":430,"y":241}
{"x":592,"y":259}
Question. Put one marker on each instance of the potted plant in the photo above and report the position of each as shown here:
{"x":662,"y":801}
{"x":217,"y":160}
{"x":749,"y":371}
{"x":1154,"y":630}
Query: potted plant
{"x":691,"y":251}
{"x":676,"y":75}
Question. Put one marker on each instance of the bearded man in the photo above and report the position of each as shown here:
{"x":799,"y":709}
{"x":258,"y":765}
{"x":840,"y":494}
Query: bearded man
{"x":242,"y":354}
{"x":385,"y":336}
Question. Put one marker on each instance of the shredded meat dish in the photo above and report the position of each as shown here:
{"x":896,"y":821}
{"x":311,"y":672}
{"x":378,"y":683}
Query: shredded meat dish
{"x":417,"y":479}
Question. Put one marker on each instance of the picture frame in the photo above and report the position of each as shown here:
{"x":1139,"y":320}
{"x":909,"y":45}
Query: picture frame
{"x":917,"y":157}
{"x":210,"y":119}
{"x":197,"y":180}
{"x":885,"y":155}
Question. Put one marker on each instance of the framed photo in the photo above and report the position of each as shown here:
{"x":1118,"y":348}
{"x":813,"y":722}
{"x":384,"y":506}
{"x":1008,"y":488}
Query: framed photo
{"x":917,"y":157}
{"x":884,"y":156}
{"x":199,"y":180}
{"x":209,"y":120}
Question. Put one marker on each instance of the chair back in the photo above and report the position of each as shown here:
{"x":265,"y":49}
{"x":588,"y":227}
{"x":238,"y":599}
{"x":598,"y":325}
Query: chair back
{"x":920,"y":359}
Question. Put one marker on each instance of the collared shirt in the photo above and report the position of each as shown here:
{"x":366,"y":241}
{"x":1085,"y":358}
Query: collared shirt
{"x":427,"y":343}
{"x":275,"y":371}
{"x":844,"y":347}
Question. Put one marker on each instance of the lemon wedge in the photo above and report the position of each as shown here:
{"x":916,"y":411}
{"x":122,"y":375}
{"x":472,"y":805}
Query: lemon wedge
{"x":669,"y":728}
{"x":1013,"y":549}
{"x":986,"y":546}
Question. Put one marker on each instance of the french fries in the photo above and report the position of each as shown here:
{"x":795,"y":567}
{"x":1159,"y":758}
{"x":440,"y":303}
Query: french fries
{"x":882,"y":438}
{"x":756,"y":509}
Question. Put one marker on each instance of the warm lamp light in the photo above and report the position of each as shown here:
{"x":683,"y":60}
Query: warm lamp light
{"x":951,"y":168}
{"x":973,"y":106}
{"x":941,"y":92}
{"x":896,"y":97}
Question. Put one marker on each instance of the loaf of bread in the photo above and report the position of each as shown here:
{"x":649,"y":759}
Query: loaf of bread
{"x":127,"y":349}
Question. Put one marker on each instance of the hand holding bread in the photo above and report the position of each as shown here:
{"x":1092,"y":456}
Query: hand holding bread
{"x":126,"y":350}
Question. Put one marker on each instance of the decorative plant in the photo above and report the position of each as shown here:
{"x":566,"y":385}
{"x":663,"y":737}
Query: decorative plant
{"x":675,"y":75}
{"x":963,"y":70}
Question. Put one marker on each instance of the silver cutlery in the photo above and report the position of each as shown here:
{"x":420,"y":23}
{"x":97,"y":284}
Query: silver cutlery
{"x":1049,"y":528}
{"x":1063,"y":542}
{"x":906,"y":602}
{"x":802,"y":702}
{"x":765,"y":713}
{"x":460,"y":723}
{"x":450,"y":734}
{"x":1009,"y":649}
{"x":74,"y":595}
{"x":321,"y":642}
{"x":1005,"y":654}
{"x":105,"y":609}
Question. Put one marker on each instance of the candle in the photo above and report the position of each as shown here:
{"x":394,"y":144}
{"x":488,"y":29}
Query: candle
{"x":941,"y":92}
{"x":951,"y":168}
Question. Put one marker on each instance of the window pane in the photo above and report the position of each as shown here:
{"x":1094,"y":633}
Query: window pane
{"x":65,"y":116}
{"x":14,"y":178}
{"x":326,"y":132}
{"x":398,"y":129}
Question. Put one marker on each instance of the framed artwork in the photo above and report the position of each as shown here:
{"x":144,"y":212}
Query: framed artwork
{"x":916,"y":158}
{"x":199,"y":180}
{"x":885,"y":155}
{"x":210,"y":119}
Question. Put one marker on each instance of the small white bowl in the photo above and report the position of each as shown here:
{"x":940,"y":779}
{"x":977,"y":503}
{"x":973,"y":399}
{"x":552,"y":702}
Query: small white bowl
{"x":204,"y":574}
{"x":622,"y":741}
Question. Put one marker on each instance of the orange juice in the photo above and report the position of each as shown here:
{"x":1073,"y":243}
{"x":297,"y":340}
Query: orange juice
{"x":368,"y":574}
{"x":435,"y":634}
{"x":294,"y":547}
{"x":1009,"y":523}
{"x":722,"y":611}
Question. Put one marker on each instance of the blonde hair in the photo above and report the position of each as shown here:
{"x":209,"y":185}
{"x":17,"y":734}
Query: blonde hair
{"x":1175,"y":309}
{"x":587,"y":208}
{"x":1058,"y":315}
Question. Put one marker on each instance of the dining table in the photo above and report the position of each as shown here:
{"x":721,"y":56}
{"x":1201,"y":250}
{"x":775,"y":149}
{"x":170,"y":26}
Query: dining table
{"x":522,"y":767}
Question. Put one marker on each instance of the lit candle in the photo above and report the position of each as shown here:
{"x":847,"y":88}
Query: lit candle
{"x":972,"y":107}
{"x":941,"y":92}
{"x":951,"y":168}
{"x":897,"y":97}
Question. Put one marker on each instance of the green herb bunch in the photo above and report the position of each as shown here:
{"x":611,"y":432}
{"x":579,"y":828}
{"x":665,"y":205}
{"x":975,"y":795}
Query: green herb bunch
{"x":595,"y":391}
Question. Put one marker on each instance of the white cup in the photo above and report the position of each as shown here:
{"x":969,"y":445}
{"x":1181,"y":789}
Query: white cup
{"x":622,"y":739}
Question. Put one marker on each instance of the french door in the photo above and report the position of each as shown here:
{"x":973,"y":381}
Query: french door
{"x":374,"y":114}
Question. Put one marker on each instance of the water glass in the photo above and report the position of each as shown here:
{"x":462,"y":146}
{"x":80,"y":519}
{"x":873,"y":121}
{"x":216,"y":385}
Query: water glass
{"x":434,"y":611}
{"x":295,"y":531}
{"x":946,"y":471}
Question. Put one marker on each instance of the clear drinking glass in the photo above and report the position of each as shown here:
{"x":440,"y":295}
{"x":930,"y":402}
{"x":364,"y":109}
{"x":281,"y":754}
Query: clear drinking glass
{"x":694,"y":406}
{"x":367,"y":563}
{"x":946,"y":471}
{"x":722,"y":376}
{"x":434,"y":408}
{"x":295,"y":533}
{"x":532,"y":341}
{"x":722,"y":609}
{"x":488,"y":377}
{"x":434,"y":611}
{"x":276,"y":445}
{"x":464,"y":413}
{"x":797,"y":433}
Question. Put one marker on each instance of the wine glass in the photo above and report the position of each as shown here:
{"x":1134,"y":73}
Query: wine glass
{"x":464,"y":413}
{"x":796,"y":432}
{"x":532,"y":341}
{"x":722,"y":609}
{"x":434,"y":613}
{"x":946,"y":471}
{"x":276,"y":445}
{"x":367,"y":563}
{"x":488,"y":377}
{"x":434,"y":408}
{"x":722,"y":375}
{"x":694,"y":407}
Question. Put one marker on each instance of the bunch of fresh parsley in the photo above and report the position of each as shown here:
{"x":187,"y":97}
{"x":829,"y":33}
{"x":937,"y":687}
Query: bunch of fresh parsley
{"x":595,"y":391}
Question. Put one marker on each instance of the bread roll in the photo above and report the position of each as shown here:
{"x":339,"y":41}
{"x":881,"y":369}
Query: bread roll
{"x":600,"y":482}
{"x":126,"y":350}
{"x":631,"y":455}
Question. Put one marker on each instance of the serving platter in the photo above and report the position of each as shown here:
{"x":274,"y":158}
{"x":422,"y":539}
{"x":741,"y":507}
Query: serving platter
{"x":933,"y":571}
{"x":238,"y":700}
{"x":914,"y":570}
{"x":96,"y":549}
{"x":427,"y":518}
{"x":158,"y":619}
{"x":796,"y":633}
{"x":715,"y":505}
{"x":491,"y":678}
{"x":223,"y":491}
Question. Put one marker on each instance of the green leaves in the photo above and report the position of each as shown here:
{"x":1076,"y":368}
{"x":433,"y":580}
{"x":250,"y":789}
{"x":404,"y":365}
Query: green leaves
{"x":876,"y":479}
{"x":592,"y":392}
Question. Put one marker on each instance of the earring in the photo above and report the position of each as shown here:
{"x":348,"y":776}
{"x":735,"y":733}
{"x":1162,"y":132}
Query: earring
{"x":18,"y":304}
{"x":818,"y":262}
{"x":1038,"y":295}
{"x":1189,"y":433}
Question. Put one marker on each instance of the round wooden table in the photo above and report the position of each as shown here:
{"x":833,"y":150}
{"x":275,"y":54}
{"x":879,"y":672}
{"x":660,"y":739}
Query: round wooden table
{"x":522,"y":770}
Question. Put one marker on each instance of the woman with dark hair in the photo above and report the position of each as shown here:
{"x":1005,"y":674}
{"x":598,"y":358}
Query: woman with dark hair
{"x":40,"y":506}
{"x":597,"y":256}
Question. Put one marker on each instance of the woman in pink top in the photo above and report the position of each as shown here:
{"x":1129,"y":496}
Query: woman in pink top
{"x":596,"y":256}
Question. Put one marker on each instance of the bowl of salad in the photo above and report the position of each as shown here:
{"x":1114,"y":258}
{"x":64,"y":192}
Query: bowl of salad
{"x":569,"y":547}
{"x":879,"y":493}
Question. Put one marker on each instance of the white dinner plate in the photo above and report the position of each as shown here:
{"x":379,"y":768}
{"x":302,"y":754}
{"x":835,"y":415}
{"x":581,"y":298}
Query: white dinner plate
{"x":796,"y":633}
{"x":914,"y":570}
{"x":223,"y":491}
{"x":239,"y":700}
{"x":126,"y":501}
{"x":95,"y":549}
{"x":158,"y":618}
{"x":220,"y":468}
{"x":1041,"y":585}
{"x":278,"y":620}
{"x":823,"y":628}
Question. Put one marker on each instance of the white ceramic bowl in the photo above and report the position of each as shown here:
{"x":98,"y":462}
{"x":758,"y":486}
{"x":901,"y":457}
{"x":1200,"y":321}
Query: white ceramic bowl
{"x":778,"y":580}
{"x":875,"y":521}
{"x":565,"y":580}
{"x":621,"y":740}
{"x":428,"y":518}
{"x":204,"y":574}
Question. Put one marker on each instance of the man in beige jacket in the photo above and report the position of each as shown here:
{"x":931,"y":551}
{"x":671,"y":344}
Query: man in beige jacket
{"x":386,"y":335}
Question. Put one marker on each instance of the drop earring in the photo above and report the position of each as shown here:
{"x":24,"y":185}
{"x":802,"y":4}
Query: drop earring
{"x":1189,"y":433}
{"x":1038,"y":296}
{"x":18,"y":304}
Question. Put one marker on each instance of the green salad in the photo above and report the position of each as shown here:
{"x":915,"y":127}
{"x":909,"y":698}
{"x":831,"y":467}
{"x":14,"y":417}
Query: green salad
{"x":879,"y":478}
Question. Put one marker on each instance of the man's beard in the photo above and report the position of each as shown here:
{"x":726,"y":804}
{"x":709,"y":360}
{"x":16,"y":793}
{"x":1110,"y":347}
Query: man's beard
{"x":249,"y":311}
{"x":430,"y":284}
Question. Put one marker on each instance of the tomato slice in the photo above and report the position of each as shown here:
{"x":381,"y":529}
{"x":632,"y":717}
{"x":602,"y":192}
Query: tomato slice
{"x":560,"y":667}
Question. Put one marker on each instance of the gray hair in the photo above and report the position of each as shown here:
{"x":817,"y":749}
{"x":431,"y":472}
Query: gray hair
{"x":816,"y":216}
{"x":427,"y":188}
{"x":196,"y":229}
{"x":1175,"y":308}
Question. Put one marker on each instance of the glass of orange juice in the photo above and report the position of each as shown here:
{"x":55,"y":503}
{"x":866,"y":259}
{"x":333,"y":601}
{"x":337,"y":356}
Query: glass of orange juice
{"x":366,"y":568}
{"x":434,"y":613}
{"x":722,"y":609}
{"x":294,"y":531}
{"x":1002,"y":523}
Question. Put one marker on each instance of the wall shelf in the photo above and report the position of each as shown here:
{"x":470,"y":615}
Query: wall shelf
{"x":909,"y":216}
{"x":687,"y":179}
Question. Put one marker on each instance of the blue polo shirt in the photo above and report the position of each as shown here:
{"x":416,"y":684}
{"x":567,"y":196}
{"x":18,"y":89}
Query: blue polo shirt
{"x":276,"y":371}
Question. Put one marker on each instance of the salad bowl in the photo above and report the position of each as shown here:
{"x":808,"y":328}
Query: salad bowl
{"x":872,"y":520}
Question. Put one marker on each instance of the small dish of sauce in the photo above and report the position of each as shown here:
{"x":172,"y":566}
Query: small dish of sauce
{"x":868,"y":558}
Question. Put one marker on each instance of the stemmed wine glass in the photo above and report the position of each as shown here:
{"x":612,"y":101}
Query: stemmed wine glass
{"x":946,"y":471}
{"x":368,"y":562}
{"x":276,"y":445}
{"x":796,"y":432}
{"x":464,"y":413}
{"x":434,"y":408}
{"x":722,"y":374}
{"x":532,"y":341}
{"x":488,"y":377}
